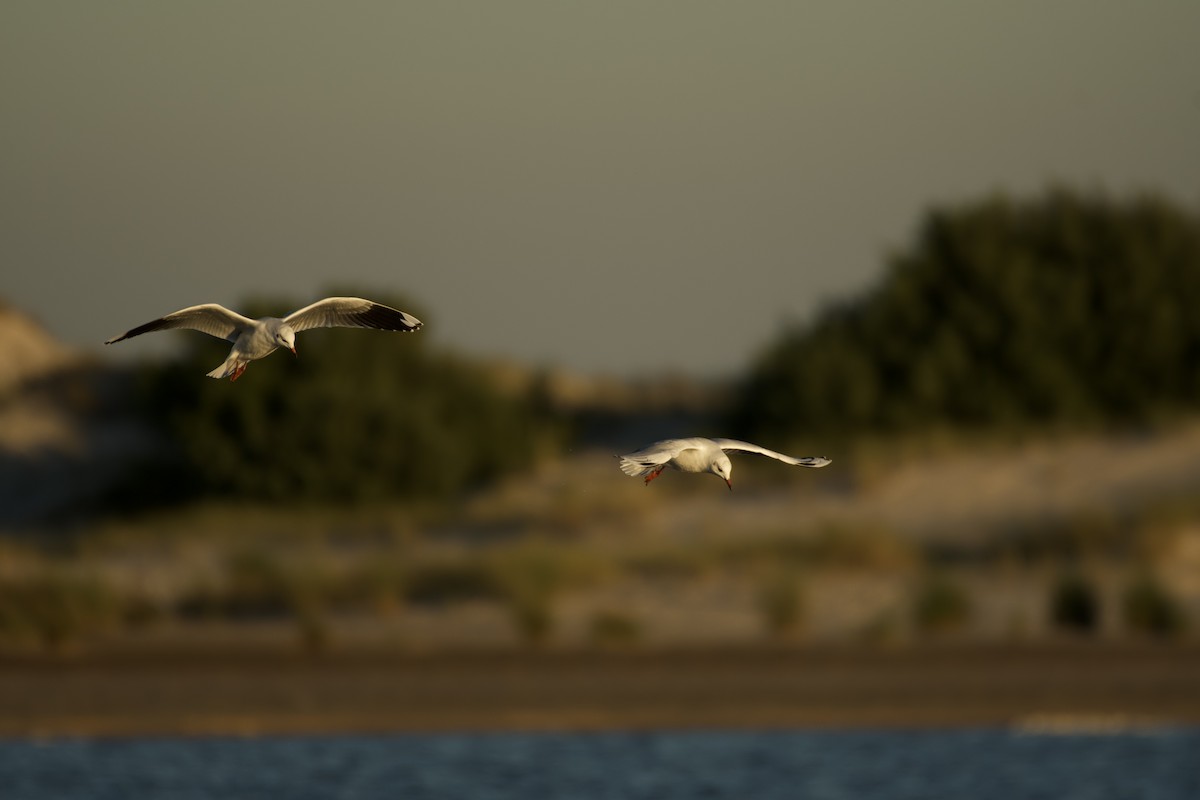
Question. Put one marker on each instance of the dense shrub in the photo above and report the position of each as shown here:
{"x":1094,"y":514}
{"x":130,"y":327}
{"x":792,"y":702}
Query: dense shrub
{"x":1063,"y":308}
{"x":358,"y":415}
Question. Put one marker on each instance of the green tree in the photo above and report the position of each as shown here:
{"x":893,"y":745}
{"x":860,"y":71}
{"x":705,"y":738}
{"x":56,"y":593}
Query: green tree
{"x":1062,"y":308}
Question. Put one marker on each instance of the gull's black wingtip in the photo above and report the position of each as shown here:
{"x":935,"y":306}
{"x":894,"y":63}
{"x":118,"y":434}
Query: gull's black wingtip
{"x":387,"y":318}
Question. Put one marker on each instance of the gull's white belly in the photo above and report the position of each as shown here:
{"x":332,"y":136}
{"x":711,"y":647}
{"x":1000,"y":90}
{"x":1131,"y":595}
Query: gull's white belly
{"x":255,"y":343}
{"x":692,"y":460}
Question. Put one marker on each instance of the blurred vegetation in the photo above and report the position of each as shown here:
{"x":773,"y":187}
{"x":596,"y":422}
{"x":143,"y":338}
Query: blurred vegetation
{"x":781,"y":601}
{"x":1061,"y":310}
{"x":255,"y":585}
{"x":1075,"y":604}
{"x":452,"y":581}
{"x":356,"y":416}
{"x":803,"y":587}
{"x":613,"y":629}
{"x":1149,"y":608}
{"x":532,"y":577}
{"x":865,"y":547}
{"x":1066,"y":308}
{"x":940,"y":605}
{"x":51,"y":608}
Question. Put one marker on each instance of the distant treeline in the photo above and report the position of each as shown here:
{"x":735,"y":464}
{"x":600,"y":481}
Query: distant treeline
{"x":357,"y":416}
{"x":1066,"y":308}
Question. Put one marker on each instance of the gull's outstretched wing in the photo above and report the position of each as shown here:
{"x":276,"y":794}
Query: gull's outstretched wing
{"x":351,"y":312}
{"x":209,"y":318}
{"x":746,"y":447}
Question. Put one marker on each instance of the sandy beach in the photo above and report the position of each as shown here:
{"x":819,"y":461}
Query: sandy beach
{"x":1071,"y":686}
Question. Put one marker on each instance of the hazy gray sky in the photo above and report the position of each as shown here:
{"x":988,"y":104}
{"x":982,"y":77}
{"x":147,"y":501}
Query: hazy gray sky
{"x":605,"y":186}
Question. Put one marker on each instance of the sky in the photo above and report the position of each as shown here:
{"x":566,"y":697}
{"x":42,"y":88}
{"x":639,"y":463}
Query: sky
{"x":619,"y":187}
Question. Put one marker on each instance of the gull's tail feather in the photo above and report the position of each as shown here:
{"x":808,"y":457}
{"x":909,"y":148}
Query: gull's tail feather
{"x":226,"y":369}
{"x":635,"y":467}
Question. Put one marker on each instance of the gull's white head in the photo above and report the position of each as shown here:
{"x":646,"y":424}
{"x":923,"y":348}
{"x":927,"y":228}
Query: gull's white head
{"x":286,"y":337}
{"x":722,"y":467}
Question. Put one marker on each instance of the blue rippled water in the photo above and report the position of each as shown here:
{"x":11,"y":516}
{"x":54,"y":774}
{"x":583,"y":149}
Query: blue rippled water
{"x":984,"y":764}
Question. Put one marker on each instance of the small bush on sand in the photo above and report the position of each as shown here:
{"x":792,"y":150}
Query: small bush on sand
{"x":1149,"y":608}
{"x":781,"y":602}
{"x":533,"y":616}
{"x":613,"y":629}
{"x":53,"y":609}
{"x":1074,"y":604}
{"x":940,"y":605}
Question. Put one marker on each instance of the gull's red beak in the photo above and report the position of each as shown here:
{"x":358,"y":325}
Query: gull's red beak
{"x":729,"y":483}
{"x":293,"y":350}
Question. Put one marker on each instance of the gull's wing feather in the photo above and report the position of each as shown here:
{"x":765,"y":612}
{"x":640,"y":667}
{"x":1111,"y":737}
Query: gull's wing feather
{"x":746,"y":447}
{"x":351,"y":312}
{"x":210,"y":318}
{"x":649,"y":458}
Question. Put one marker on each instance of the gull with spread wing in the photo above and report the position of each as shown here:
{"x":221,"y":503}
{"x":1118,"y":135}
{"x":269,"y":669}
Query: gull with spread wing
{"x":700,"y":455}
{"x":256,"y":338}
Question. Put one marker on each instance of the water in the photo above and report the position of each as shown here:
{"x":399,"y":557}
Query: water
{"x":796,"y":765}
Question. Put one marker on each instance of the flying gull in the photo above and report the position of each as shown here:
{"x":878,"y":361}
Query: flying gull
{"x":256,"y":338}
{"x":700,"y":455}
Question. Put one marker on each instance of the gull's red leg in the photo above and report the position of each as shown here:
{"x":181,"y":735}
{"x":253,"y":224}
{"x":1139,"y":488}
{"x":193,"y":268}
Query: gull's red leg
{"x":655,"y":474}
{"x":237,"y":373}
